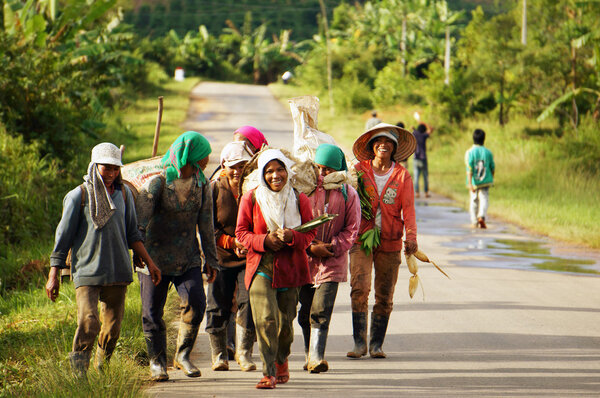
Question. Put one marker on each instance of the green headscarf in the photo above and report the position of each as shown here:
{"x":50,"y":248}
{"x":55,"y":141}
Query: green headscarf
{"x":189,"y":148}
{"x":331,"y":156}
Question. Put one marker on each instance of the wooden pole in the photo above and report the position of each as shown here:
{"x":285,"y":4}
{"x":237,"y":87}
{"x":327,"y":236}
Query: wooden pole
{"x":157,"y":129}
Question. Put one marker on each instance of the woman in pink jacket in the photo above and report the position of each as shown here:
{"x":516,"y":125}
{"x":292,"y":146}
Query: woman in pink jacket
{"x":276,"y":263}
{"x":328,"y":253}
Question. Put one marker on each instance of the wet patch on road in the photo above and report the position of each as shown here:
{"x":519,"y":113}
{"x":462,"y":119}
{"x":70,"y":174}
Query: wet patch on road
{"x":500,"y":246}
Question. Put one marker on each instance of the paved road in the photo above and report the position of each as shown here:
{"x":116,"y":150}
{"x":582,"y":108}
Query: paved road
{"x":499,"y":327}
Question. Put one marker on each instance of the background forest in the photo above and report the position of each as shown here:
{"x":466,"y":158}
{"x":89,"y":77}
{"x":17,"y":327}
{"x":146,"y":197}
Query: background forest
{"x":71,"y":69}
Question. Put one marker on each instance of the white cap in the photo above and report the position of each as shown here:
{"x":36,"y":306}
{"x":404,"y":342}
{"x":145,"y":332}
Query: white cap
{"x":106,"y":153}
{"x":234,"y":153}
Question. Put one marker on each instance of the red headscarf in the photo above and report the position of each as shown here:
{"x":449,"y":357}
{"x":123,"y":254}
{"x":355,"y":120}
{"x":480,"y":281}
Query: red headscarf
{"x":256,"y":138}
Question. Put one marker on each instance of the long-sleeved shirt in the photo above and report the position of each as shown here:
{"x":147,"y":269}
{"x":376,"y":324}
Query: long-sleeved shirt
{"x":98,"y":257}
{"x":397,"y":205}
{"x":290,"y":264}
{"x":341,"y":232}
{"x":170,"y":226}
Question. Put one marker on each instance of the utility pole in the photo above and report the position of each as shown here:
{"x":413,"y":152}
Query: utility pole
{"x":329,"y":78}
{"x":524,"y":24}
{"x":447,"y":57}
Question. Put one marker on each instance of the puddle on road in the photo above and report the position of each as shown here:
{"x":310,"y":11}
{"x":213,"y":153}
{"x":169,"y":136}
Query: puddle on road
{"x":489,"y":248}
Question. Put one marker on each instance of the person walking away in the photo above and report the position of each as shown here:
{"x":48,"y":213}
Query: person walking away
{"x":372,"y":121}
{"x":391,"y":198}
{"x":98,"y":226}
{"x":480,"y":177}
{"x":276,"y":263}
{"x":421,"y":133}
{"x":232,"y":259}
{"x":171,"y":206}
{"x":328,"y":252}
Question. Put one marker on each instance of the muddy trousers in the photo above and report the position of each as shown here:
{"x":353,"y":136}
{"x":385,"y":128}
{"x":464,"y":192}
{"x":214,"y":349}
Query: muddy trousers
{"x":273,"y":312}
{"x":220,"y":296}
{"x":190,"y":288}
{"x":105,"y":325}
{"x":316,"y":307}
{"x":386,"y":265}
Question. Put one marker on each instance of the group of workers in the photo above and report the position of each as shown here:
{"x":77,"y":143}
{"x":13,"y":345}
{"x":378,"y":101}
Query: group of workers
{"x":258,"y":263}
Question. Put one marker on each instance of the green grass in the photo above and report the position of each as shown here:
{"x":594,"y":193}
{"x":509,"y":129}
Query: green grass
{"x":135,"y":126}
{"x":36,"y":335}
{"x":547,"y":179}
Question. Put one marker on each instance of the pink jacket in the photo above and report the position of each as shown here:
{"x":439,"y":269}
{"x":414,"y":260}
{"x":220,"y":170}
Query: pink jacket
{"x":341,"y":232}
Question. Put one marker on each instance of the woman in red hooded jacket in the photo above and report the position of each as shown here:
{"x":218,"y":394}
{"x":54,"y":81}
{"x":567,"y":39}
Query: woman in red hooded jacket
{"x":276,"y":262}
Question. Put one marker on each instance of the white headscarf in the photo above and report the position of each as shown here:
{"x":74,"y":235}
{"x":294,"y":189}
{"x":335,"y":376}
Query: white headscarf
{"x":101,"y":204}
{"x":279,"y":209}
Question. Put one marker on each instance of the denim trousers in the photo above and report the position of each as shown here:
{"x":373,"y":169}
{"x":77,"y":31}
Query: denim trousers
{"x":316,"y":305}
{"x":189,"y":286}
{"x":219,"y":299}
{"x":421,"y":169}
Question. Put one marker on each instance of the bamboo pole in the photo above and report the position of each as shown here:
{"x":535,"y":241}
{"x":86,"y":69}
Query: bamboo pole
{"x":157,"y":129}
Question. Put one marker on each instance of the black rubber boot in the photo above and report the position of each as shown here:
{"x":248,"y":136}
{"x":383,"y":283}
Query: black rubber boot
{"x":80,"y":362}
{"x":316,"y":355}
{"x":306,"y":335}
{"x":185,"y":343}
{"x":243,"y":354}
{"x":359,"y":332}
{"x":156,"y":343}
{"x":379,"y":324}
{"x":231,"y":339}
{"x":218,"y":349}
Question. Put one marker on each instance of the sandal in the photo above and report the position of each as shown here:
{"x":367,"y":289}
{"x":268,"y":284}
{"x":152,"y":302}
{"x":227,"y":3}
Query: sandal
{"x":266,"y":383}
{"x":283,"y":373}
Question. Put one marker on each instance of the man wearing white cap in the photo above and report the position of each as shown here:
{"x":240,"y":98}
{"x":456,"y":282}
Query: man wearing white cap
{"x":99,"y":226}
{"x":232,"y":262}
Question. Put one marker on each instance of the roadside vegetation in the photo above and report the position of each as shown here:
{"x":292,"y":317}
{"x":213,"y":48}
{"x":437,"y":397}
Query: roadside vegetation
{"x":73,"y":74}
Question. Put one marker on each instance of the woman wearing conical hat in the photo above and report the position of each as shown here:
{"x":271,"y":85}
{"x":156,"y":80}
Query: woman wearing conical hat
{"x":389,"y":190}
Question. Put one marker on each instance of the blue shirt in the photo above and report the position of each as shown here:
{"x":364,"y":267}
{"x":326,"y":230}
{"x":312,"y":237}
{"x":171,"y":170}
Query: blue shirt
{"x":99,"y":257}
{"x":421,"y":151}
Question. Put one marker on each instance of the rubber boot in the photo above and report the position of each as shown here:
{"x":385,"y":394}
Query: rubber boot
{"x":243,"y":354}
{"x":218,"y":349}
{"x":379,"y":325}
{"x":156,"y":343}
{"x":316,"y":356}
{"x":80,"y":362}
{"x":359,"y":332}
{"x":102,"y":358}
{"x":306,"y":335}
{"x":185,"y":343}
{"x":231,"y":338}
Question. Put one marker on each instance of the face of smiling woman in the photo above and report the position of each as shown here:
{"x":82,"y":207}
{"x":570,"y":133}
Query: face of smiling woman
{"x":383,"y":148}
{"x":275,"y":175}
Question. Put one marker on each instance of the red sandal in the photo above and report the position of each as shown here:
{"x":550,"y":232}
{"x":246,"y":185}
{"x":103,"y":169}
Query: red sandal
{"x":266,"y":383}
{"x":283,"y":373}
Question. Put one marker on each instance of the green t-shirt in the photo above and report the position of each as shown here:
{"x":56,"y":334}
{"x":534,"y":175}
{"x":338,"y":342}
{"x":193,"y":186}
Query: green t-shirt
{"x":480,"y":163}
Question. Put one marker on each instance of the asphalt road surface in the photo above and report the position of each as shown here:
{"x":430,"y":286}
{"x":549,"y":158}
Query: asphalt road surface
{"x":519,"y":317}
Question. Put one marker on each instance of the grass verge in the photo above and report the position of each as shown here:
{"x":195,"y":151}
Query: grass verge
{"x":547,"y":180}
{"x":36,"y":335}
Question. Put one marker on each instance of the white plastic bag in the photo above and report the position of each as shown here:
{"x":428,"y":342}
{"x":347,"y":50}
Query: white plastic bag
{"x":307,"y":138}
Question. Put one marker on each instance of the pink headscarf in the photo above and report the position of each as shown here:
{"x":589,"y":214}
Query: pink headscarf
{"x":256,"y":138}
